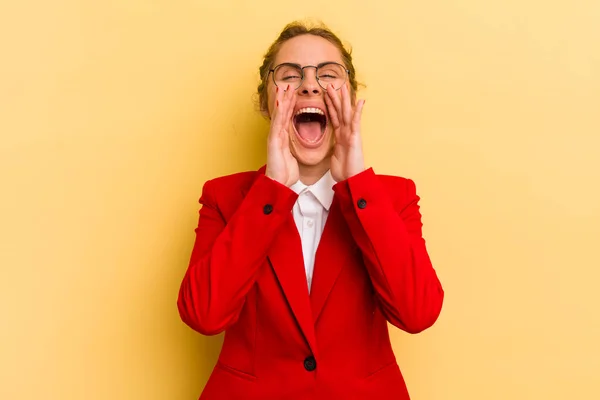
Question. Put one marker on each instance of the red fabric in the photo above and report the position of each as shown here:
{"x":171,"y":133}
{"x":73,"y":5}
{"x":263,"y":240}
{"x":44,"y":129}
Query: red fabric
{"x":246,"y":277}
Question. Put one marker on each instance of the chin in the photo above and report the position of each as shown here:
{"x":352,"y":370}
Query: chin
{"x":311,"y":153}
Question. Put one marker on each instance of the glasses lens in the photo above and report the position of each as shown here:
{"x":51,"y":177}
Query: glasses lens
{"x":332,"y":74}
{"x":287,"y":75}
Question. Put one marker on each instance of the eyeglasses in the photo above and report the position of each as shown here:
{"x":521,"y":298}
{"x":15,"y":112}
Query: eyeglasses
{"x":293,"y":74}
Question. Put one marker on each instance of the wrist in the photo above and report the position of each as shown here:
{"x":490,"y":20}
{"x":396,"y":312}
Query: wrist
{"x":356,"y":171}
{"x":269,"y":175}
{"x":279,"y":180}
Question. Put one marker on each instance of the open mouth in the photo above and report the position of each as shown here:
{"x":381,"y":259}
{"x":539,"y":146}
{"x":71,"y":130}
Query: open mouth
{"x":310,"y":124}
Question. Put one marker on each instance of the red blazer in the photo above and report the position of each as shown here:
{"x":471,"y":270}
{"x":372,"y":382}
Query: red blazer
{"x":246,"y":277}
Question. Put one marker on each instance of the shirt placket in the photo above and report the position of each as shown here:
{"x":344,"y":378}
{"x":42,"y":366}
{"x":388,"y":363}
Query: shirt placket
{"x":308,"y":208}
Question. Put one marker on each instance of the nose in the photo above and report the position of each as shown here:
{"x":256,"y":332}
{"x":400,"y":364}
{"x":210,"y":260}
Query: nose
{"x":309,"y":85}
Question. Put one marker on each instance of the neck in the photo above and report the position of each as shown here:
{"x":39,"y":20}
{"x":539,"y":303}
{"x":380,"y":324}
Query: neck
{"x":310,"y":174}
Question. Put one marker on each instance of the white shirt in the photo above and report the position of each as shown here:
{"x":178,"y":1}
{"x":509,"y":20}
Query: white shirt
{"x":310,"y":213}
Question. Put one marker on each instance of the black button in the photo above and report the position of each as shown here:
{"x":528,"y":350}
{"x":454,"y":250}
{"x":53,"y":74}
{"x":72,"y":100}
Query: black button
{"x":310,"y":364}
{"x":362,"y":203}
{"x":268,"y":209}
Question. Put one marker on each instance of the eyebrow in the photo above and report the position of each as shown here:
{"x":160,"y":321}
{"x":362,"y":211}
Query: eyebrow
{"x":318,"y":65}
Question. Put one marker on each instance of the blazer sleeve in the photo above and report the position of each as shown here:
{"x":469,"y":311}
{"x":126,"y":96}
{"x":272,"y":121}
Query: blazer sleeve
{"x":227,"y":256}
{"x":386,"y":224}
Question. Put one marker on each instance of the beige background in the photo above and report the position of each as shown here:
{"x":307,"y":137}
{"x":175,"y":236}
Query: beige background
{"x":113,"y":114}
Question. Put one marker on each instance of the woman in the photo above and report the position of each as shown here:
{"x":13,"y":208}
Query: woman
{"x":304,"y":262}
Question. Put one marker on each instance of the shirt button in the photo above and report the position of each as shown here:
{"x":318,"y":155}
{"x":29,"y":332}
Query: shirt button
{"x":310,"y":364}
{"x":362,"y":203}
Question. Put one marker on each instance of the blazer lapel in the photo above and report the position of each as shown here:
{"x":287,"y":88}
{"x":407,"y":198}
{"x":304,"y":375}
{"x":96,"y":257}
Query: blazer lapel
{"x":287,"y":261}
{"x":285,"y":256}
{"x":331,"y":256}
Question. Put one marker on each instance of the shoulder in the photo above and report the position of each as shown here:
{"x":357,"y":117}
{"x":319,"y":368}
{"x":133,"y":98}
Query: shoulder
{"x":224,"y":193}
{"x":399,"y":190}
{"x":400,"y":184}
{"x":392,"y":184}
{"x":394,"y":180}
{"x":231,"y":182}
{"x":402,"y":193}
{"x":227,"y":187}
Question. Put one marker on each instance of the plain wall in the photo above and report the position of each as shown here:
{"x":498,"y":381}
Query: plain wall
{"x":114,"y":113}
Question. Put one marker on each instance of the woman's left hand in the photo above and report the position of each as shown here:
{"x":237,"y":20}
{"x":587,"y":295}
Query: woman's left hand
{"x":347,"y":159}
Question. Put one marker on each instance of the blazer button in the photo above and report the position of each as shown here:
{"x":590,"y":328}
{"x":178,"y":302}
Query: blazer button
{"x":362,"y":203}
{"x":310,"y":364}
{"x":268,"y":209}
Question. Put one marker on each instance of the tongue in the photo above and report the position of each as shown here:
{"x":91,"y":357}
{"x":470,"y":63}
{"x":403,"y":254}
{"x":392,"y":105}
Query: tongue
{"x":309,"y":131}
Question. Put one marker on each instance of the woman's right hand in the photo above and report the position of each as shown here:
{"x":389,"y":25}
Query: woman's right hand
{"x":281,"y":164}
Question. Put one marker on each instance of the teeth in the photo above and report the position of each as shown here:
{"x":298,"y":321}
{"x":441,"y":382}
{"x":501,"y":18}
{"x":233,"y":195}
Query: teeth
{"x":311,"y":110}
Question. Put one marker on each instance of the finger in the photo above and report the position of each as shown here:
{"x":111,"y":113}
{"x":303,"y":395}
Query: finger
{"x":276,"y":112}
{"x":333,"y":115}
{"x":278,"y":98}
{"x":357,"y":116}
{"x":290,"y":101}
{"x":281,"y":118}
{"x":337,"y":102}
{"x":286,"y":109}
{"x":346,"y":106}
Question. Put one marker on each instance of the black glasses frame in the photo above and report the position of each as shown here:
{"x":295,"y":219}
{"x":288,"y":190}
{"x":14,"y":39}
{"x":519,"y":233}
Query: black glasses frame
{"x":316,"y":67}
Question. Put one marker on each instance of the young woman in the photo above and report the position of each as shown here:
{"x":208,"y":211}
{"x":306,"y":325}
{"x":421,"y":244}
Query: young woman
{"x":304,"y":262}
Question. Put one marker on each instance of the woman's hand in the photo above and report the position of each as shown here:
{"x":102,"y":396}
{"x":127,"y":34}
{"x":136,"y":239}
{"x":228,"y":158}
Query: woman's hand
{"x":347,"y":159}
{"x":281,"y":164}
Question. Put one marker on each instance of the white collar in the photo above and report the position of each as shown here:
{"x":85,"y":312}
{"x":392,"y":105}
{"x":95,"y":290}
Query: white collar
{"x":322,"y":189}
